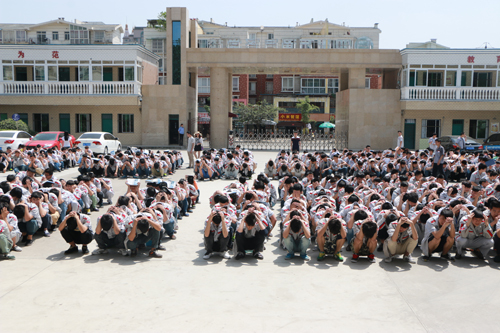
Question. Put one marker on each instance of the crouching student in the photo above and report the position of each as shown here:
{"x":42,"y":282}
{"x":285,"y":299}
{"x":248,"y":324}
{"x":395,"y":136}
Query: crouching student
{"x":439,"y":235}
{"x":5,"y":240}
{"x":217,"y":234}
{"x":142,"y":228}
{"x":296,"y":235}
{"x":29,"y":220}
{"x":250,"y":235}
{"x":110,"y":232}
{"x":403,"y":238}
{"x":365,"y":238}
{"x":476,"y":234}
{"x":331,"y":235}
{"x":76,"y":229}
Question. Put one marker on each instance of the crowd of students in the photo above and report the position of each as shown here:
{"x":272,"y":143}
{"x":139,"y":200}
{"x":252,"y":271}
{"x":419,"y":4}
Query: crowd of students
{"x":135,"y":218}
{"x":389,"y":201}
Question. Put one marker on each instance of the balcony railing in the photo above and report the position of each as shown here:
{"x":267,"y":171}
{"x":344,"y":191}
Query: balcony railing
{"x":450,"y":93}
{"x":286,"y":43}
{"x":70,"y":88}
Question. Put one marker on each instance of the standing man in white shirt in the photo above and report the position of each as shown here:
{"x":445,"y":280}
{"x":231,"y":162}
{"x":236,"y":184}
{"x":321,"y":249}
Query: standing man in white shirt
{"x":432,"y":142}
{"x":400,"y":141}
{"x":190,"y":149}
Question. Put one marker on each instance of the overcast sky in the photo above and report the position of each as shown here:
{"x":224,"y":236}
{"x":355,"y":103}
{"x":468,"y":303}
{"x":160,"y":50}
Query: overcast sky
{"x":455,"y":23}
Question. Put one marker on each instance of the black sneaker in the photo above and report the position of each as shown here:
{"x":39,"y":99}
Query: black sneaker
{"x":448,"y":257}
{"x":28,"y":242}
{"x":426,"y":258}
{"x":478,"y":254}
{"x":240,"y":255}
{"x":85,"y":249}
{"x":133,"y":253}
{"x":348,"y":248}
{"x":72,"y":249}
{"x":458,"y":256}
{"x":258,"y":255}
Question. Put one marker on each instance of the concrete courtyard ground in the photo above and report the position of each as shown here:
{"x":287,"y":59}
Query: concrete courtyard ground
{"x":45,"y":291}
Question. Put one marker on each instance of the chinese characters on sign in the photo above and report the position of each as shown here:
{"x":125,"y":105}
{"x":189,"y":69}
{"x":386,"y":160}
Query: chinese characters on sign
{"x":470,"y":59}
{"x":290,"y":117}
{"x":20,"y":54}
{"x":55,"y":54}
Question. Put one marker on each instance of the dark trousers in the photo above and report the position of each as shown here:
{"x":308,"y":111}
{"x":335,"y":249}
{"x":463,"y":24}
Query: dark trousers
{"x":216,"y":246}
{"x":76,"y":236}
{"x":46,"y":221}
{"x":28,"y":227}
{"x":153,"y":235}
{"x":255,"y":243}
{"x":103,"y":241}
{"x":181,"y":139}
{"x":437,"y":169}
{"x":496,"y":242}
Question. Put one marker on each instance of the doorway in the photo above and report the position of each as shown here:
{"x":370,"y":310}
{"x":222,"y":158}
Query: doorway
{"x":457,"y":127}
{"x":410,"y":131}
{"x":64,"y":74}
{"x":107,"y":74}
{"x":21,"y":73}
{"x":173,"y":127}
{"x":107,"y":122}
{"x":64,"y":122}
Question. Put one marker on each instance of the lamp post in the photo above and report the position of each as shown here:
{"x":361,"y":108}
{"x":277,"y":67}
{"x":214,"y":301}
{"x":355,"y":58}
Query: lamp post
{"x":261,"y":36}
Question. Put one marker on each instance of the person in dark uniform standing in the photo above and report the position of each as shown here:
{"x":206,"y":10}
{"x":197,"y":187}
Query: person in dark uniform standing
{"x":295,"y":142}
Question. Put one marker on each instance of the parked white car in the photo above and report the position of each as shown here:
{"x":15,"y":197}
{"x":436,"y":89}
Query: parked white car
{"x":13,"y":139}
{"x":99,"y":142}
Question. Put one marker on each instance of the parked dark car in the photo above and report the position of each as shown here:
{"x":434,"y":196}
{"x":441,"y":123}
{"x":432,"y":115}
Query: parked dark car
{"x":493,"y":142}
{"x":449,"y":142}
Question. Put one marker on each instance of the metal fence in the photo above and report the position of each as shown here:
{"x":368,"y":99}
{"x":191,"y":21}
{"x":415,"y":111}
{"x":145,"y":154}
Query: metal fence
{"x":266,"y":140}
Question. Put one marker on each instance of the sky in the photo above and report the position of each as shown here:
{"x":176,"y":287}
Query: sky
{"x":454,"y":23}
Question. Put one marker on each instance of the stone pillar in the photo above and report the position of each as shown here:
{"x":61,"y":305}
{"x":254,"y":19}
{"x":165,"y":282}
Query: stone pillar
{"x":220,"y":106}
{"x":357,"y":78}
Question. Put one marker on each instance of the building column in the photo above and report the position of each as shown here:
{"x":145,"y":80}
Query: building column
{"x":357,"y":78}
{"x":220,"y":106}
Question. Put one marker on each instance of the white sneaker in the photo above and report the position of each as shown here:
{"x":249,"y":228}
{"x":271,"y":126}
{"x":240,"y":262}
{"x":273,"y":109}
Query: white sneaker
{"x":409,"y":259}
{"x":99,"y":251}
{"x":388,"y":259}
{"x":123,"y":252}
{"x":225,"y":255}
{"x":17,"y":248}
{"x":207,"y":256}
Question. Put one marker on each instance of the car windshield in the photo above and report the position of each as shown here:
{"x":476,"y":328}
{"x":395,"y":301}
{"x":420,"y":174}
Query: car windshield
{"x":90,"y":136}
{"x":45,"y":136}
{"x":6,"y":134}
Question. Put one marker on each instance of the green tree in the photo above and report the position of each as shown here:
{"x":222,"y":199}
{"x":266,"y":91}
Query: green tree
{"x":256,"y":114}
{"x":10,"y":125}
{"x":305,"y":107}
{"x":161,"y":22}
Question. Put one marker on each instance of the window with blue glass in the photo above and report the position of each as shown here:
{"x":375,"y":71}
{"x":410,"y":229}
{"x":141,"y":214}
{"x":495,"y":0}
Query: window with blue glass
{"x":176,"y":52}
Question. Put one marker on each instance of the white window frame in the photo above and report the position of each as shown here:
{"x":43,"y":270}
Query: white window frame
{"x":287,"y":84}
{"x":269,"y":87}
{"x":203,"y":85}
{"x":67,"y":35}
{"x":157,"y":48}
{"x":367,"y":82}
{"x":316,"y":90}
{"x":20,"y":36}
{"x":424,"y":128}
{"x":236,"y":83}
{"x":270,"y":36}
{"x":55,"y":35}
{"x":99,"y":39}
{"x":254,"y":90}
{"x":333,"y":85}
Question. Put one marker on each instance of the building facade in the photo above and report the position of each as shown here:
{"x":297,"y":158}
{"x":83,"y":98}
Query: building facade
{"x":77,"y":88}
{"x":449,"y":91}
